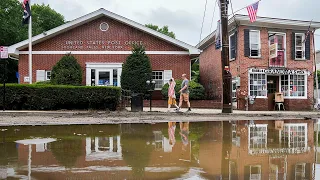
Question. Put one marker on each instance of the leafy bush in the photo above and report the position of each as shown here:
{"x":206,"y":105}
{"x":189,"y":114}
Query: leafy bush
{"x":197,"y":91}
{"x":67,"y":71}
{"x":44,"y":82}
{"x":136,"y":71}
{"x":54,"y":97}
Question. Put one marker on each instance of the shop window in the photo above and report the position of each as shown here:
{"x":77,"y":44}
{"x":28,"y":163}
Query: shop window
{"x":300,"y":46}
{"x":294,"y":85}
{"x":157,"y":76}
{"x":258,"y":85}
{"x":300,"y":172}
{"x":254,"y":43}
{"x":294,"y":136}
{"x":232,"y":49}
{"x":258,"y":136}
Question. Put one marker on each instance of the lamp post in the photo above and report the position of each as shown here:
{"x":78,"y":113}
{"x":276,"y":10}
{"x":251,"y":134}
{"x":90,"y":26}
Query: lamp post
{"x":150,"y":85}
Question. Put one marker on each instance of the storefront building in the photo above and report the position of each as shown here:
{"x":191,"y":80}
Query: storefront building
{"x":266,"y":57}
{"x":101,"y":41}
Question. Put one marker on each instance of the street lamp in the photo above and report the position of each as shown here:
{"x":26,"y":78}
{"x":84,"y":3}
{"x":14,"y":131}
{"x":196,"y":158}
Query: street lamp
{"x":150,"y":85}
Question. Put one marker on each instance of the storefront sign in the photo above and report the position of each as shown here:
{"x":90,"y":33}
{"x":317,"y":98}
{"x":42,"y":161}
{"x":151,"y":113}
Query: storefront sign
{"x":100,"y":44}
{"x":273,"y":48}
{"x":3,"y":52}
{"x":278,"y":151}
{"x":280,"y":71}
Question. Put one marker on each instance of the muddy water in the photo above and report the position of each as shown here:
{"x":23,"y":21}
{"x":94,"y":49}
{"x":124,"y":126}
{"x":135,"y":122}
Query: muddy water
{"x":239,"y":150}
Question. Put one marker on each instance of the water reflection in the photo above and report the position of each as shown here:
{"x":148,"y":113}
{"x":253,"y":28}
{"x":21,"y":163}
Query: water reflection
{"x":248,"y":150}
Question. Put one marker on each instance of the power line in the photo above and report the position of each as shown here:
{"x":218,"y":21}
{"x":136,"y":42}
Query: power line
{"x":204,"y":15}
{"x":233,"y":14}
{"x":214,"y":10}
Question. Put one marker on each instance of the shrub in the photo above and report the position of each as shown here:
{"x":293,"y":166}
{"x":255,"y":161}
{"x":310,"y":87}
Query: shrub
{"x":54,"y":97}
{"x":136,"y":71}
{"x":43,"y":82}
{"x":197,"y":91}
{"x":67,"y":71}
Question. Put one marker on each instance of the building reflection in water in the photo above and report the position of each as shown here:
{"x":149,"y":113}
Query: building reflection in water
{"x":240,"y":150}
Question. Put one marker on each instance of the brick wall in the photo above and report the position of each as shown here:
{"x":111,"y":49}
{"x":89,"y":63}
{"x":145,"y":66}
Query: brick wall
{"x":210,"y":67}
{"x":93,"y":39}
{"x":210,"y":72}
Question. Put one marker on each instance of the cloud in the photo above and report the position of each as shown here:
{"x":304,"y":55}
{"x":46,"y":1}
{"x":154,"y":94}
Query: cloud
{"x":184,"y":17}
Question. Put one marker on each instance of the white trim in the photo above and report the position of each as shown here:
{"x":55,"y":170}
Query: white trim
{"x":95,"y":15}
{"x":103,"y":65}
{"x":231,"y":59}
{"x":259,"y":44}
{"x":285,"y":45}
{"x":303,"y":47}
{"x":104,"y":52}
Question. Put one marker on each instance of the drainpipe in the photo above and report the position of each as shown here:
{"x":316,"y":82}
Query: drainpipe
{"x":315,"y":67}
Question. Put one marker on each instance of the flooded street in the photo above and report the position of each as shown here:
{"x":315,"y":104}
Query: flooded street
{"x":240,"y":150}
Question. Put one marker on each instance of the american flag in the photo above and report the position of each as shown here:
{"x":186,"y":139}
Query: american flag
{"x":252,"y":11}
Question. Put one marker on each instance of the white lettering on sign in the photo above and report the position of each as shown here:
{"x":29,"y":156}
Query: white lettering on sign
{"x":26,"y":79}
{"x":100,"y":44}
{"x":3,"y":52}
{"x":279,"y":151}
{"x":280,"y":71}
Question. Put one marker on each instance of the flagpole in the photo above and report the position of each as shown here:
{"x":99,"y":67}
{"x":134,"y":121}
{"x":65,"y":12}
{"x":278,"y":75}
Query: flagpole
{"x":241,"y":9}
{"x":30,"y":46}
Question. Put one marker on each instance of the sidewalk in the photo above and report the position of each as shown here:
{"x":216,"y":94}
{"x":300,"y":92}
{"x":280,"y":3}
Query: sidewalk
{"x":22,"y":118}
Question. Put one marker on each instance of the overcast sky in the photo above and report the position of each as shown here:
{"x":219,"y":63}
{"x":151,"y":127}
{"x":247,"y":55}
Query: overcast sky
{"x":184,"y":17}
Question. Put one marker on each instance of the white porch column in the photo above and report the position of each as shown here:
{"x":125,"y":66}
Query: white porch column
{"x":88,"y":76}
{"x":110,"y":144}
{"x":96,"y":144}
{"x":88,"y":145}
{"x":119,"y":144}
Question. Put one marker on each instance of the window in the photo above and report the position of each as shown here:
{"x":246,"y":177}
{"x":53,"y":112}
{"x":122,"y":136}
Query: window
{"x":234,"y":91}
{"x":232,"y":39}
{"x":294,"y":136}
{"x":48,"y":75}
{"x":300,"y":171}
{"x":157,"y":76}
{"x":300,"y":46}
{"x":258,"y":85}
{"x":294,"y":85}
{"x":255,"y":172}
{"x":235,"y":136}
{"x":254,"y":43}
{"x":258,"y":136}
{"x":277,"y":45}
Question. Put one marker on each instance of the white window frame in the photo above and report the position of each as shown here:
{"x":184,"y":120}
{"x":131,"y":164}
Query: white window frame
{"x":289,"y":125}
{"x":266,"y":134}
{"x":285,"y":44}
{"x":303,"y":46}
{"x":259,"y":44}
{"x":266,"y":96}
{"x":231,"y":59}
{"x":48,"y":79}
{"x":305,"y":87}
{"x":159,"y":79}
{"x":258,"y":176}
{"x":303,"y":173}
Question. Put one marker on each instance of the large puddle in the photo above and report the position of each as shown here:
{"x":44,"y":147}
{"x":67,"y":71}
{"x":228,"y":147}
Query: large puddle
{"x":240,"y":150}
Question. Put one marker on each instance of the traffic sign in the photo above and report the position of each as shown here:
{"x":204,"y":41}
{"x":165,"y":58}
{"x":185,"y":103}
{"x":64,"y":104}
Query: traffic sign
{"x":3,"y":52}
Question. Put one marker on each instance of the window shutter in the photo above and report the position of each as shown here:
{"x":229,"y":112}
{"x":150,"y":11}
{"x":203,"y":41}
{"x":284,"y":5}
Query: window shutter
{"x":246,"y":172}
{"x":307,"y":46}
{"x":293,"y":45}
{"x":308,"y":170}
{"x":236,"y":44}
{"x":246,"y":42}
{"x":167,"y":75}
{"x":40,"y":75}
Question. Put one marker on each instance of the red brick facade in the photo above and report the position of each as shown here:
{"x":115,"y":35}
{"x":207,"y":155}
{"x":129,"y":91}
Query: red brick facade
{"x":119,"y":37}
{"x":210,"y":69}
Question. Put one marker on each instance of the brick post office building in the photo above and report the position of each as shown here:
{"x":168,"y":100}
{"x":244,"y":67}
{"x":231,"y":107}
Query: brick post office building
{"x":101,"y":42}
{"x":267,"y":56}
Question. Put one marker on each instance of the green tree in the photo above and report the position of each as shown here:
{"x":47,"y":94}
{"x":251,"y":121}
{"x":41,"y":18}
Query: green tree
{"x":136,"y":71}
{"x":318,"y":72}
{"x":12,"y":31}
{"x":163,"y":30}
{"x":67,"y":71}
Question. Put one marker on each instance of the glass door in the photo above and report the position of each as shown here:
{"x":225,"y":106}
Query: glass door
{"x":104,"y":77}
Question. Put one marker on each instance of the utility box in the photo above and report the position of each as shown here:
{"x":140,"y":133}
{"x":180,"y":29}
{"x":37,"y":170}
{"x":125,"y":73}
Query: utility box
{"x":136,"y":102}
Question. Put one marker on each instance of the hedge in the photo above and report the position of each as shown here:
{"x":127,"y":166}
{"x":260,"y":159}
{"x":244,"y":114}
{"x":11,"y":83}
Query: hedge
{"x":57,"y":97}
{"x":197,"y":91}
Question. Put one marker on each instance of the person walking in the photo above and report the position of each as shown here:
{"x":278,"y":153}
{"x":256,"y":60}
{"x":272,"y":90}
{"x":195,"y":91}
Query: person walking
{"x":184,"y":93}
{"x":172,"y":94}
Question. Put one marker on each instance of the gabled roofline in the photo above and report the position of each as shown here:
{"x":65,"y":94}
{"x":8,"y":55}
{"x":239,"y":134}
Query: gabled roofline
{"x":244,"y":20}
{"x":14,"y":49}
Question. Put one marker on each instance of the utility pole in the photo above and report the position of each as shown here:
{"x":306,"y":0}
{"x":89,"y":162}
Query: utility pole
{"x":226,"y":74}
